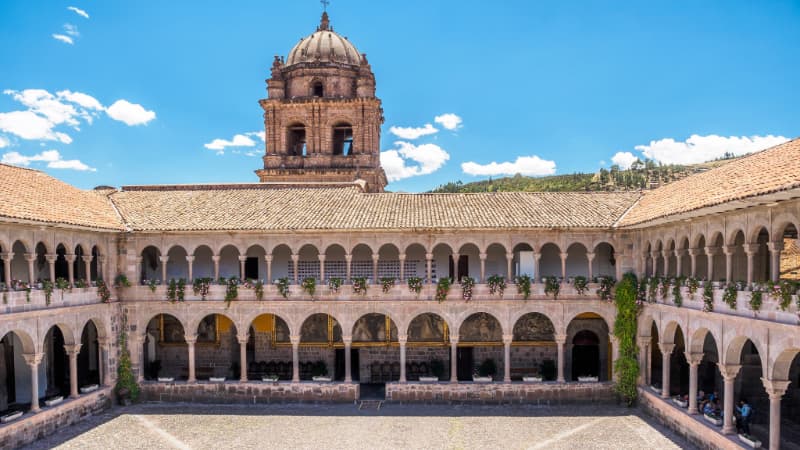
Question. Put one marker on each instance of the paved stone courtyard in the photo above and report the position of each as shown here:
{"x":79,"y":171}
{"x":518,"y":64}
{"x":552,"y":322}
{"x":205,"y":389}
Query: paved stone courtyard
{"x":337,"y":426}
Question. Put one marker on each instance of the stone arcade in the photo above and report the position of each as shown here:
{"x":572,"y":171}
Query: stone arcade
{"x":319,"y":213}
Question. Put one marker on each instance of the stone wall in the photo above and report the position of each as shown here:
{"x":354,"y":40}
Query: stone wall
{"x":697,"y":432}
{"x":30,"y":427}
{"x":533,"y":393}
{"x":250,"y":393}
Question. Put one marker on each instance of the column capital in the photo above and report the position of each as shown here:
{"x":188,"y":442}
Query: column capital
{"x":189,"y":258}
{"x":428,"y":256}
{"x":33,"y":359}
{"x":590,"y":256}
{"x":750,"y":249}
{"x":242,"y":258}
{"x":376,"y":256}
{"x":666,"y":253}
{"x":510,"y":255}
{"x":163,"y":259}
{"x":536,"y":255}
{"x":680,"y":252}
{"x":453,"y":339}
{"x":712,"y":250}
{"x":294,"y":339}
{"x":482,"y":256}
{"x":695,"y":251}
{"x":268,"y":257}
{"x":728,"y":371}
{"x":775,"y":388}
{"x":103,"y":342}
{"x":564,"y":255}
{"x":72,"y":349}
{"x":215,"y":258}
{"x":321,"y":257}
{"x":508,"y":338}
{"x":243,"y":339}
{"x":643,"y":341}
{"x":560,"y":338}
{"x":694,"y":359}
{"x":655,"y":254}
{"x":348,"y":340}
{"x":348,"y":257}
{"x":30,"y":257}
{"x":402,"y":340}
{"x":775,"y":246}
{"x":7,"y":256}
{"x":190,"y":340}
{"x":295,"y":257}
{"x":666,"y":349}
{"x":402,"y":256}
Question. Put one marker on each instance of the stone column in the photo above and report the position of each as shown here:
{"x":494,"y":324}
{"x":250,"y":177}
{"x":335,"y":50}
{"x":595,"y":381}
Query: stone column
{"x":73,"y":351}
{"x":561,"y":339}
{"x":482,"y":257}
{"x":589,"y":259}
{"x":564,"y":256}
{"x":51,"y":261}
{"x":375,"y":259}
{"x":536,"y":258}
{"x":33,"y":360}
{"x":295,"y":266}
{"x":190,"y":341}
{"x":710,"y":252}
{"x":693,"y":252}
{"x":296,"y":358}
{"x":775,"y":390}
{"x":654,"y":255}
{"x":402,"y":341}
{"x":775,"y":249}
{"x":614,"y":354}
{"x":507,"y":339}
{"x":694,"y":360}
{"x":728,"y":372}
{"x":101,"y":269}
{"x":510,"y":266}
{"x":164,"y":260}
{"x":402,"y":267}
{"x":429,"y":266}
{"x":243,"y":358}
{"x":454,"y":358}
{"x":644,"y":360}
{"x":135,"y":350}
{"x":70,"y":268}
{"x":242,"y":260}
{"x":679,"y":262}
{"x":215,"y":259}
{"x":190,"y":263}
{"x":268,"y":260}
{"x":348,"y":258}
{"x":728,"y":251}
{"x":750,"y":250}
{"x":348,"y":371}
{"x":665,"y":255}
{"x":87,"y":261}
{"x":31,"y":258}
{"x":321,"y":258}
{"x":105,"y":374}
{"x":666,"y":352}
{"x":7,"y":257}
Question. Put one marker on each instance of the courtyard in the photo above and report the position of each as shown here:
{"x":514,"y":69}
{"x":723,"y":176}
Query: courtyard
{"x":344,"y":426}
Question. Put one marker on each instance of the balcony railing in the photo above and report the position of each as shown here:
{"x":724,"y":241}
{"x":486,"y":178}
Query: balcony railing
{"x":19,"y":301}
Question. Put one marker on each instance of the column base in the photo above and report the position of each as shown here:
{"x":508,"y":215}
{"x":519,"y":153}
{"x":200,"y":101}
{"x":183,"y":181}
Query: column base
{"x":692,"y":412}
{"x":728,"y":430}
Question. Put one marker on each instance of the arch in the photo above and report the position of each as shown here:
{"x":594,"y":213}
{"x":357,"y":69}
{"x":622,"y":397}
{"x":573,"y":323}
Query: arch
{"x":577,"y":263}
{"x":372,"y":328}
{"x":697,"y":341}
{"x":28,"y":344}
{"x":533,"y":327}
{"x":480,"y":327}
{"x":89,"y":360}
{"x":268,"y":352}
{"x":317,"y":88}
{"x":41,"y":266}
{"x":342,"y":138}
{"x":783,"y":363}
{"x":670,"y":332}
{"x":582,"y":356}
{"x":733,"y":353}
{"x":320,"y":328}
{"x":605,"y":261}
{"x":255,"y":263}
{"x":151,"y":264}
{"x":361,"y":263}
{"x":229,"y":261}
{"x":164,"y":347}
{"x":496,"y":263}
{"x":335,"y":247}
{"x":177,"y":265}
{"x":296,"y":139}
{"x":19,"y":266}
{"x":56,"y":362}
{"x":203,"y":264}
{"x":550,"y":260}
{"x":282,"y":264}
{"x":388,"y":261}
{"x":428,"y":327}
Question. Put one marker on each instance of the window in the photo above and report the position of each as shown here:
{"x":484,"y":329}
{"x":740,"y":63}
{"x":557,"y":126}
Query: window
{"x":296,"y":140}
{"x":343,"y":140}
{"x":317,"y":89}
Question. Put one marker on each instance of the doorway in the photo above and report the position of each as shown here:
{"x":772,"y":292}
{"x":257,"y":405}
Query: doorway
{"x":460,"y":270}
{"x":465,"y":364}
{"x":339,"y":361}
{"x":585,"y":355}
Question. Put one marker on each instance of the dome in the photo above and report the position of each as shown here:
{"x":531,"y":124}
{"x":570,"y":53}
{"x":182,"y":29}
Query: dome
{"x":324,"y":45}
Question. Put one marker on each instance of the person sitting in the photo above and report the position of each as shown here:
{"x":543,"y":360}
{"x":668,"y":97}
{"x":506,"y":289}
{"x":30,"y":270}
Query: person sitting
{"x":708,"y":407}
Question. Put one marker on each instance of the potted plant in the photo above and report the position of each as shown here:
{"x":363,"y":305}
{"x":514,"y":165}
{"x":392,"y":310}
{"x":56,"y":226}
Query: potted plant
{"x":552,"y":286}
{"x":523,"y":283}
{"x":497,"y":285}
{"x":387,"y":283}
{"x":309,"y":285}
{"x":485,"y":372}
{"x":442,"y":289}
{"x":437,"y":368}
{"x":547,"y":369}
{"x":581,"y":284}
{"x":415,"y":284}
{"x":334,"y":284}
{"x":319,"y":372}
{"x":283,"y":286}
{"x":360,"y":285}
{"x":467,"y":284}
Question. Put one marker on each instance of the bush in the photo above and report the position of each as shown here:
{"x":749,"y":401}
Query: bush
{"x":437,"y":368}
{"x":320,"y":369}
{"x":548,"y":370}
{"x":488,"y":368}
{"x":625,"y":326}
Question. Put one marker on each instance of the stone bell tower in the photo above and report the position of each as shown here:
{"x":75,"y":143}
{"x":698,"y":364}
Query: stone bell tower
{"x":322,"y":119}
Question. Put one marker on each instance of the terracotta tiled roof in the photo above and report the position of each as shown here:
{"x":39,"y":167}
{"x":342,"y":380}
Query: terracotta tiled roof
{"x":253,"y":207}
{"x":33,"y":195}
{"x":771,"y":170}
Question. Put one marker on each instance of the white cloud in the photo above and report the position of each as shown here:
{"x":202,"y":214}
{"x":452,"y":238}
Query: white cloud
{"x":4,"y":142}
{"x":63,"y":38}
{"x":428,"y":158}
{"x":71,"y":30}
{"x":85,"y":100}
{"x":130,"y":113}
{"x":624,"y":159}
{"x":412,"y":133}
{"x":28,"y":125}
{"x":698,"y":149}
{"x":524,"y":165}
{"x":259,"y":134}
{"x":46,"y":104}
{"x":449,"y":121}
{"x":51,"y":157}
{"x":78,"y":11}
{"x":239,"y":140}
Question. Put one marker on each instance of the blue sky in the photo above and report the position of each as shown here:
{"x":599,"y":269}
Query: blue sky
{"x":566,"y":86}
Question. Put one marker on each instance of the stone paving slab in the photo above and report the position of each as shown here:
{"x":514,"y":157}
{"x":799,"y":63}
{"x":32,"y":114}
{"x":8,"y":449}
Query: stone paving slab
{"x":330,"y":426}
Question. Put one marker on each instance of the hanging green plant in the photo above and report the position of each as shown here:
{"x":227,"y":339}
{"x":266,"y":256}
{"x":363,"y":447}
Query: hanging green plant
{"x":80,"y":283}
{"x":387,"y":284}
{"x":677,"y":296}
{"x":625,"y":326}
{"x":652,"y":289}
{"x":121,"y":281}
{"x":47,"y":287}
{"x":180,"y":290}
{"x":172,"y":290}
{"x":309,"y":286}
{"x":62,"y":284}
{"x":201,"y":287}
{"x":334,"y":284}
{"x":581,"y":284}
{"x":756,"y":299}
{"x":708,"y":297}
{"x":552,"y":286}
{"x":692,"y":284}
{"x":786,"y":289}
{"x":231,"y":291}
{"x":103,"y":293}
{"x":283,"y":286}
{"x":497,"y":285}
{"x":442,"y":289}
{"x":604,"y":291}
{"x":523,"y":283}
{"x":152,"y":284}
{"x":360,"y":285}
{"x":258,"y":289}
{"x":126,"y":387}
{"x":467,"y":284}
{"x":414,"y":284}
{"x":730,"y":295}
{"x":663,"y":288}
